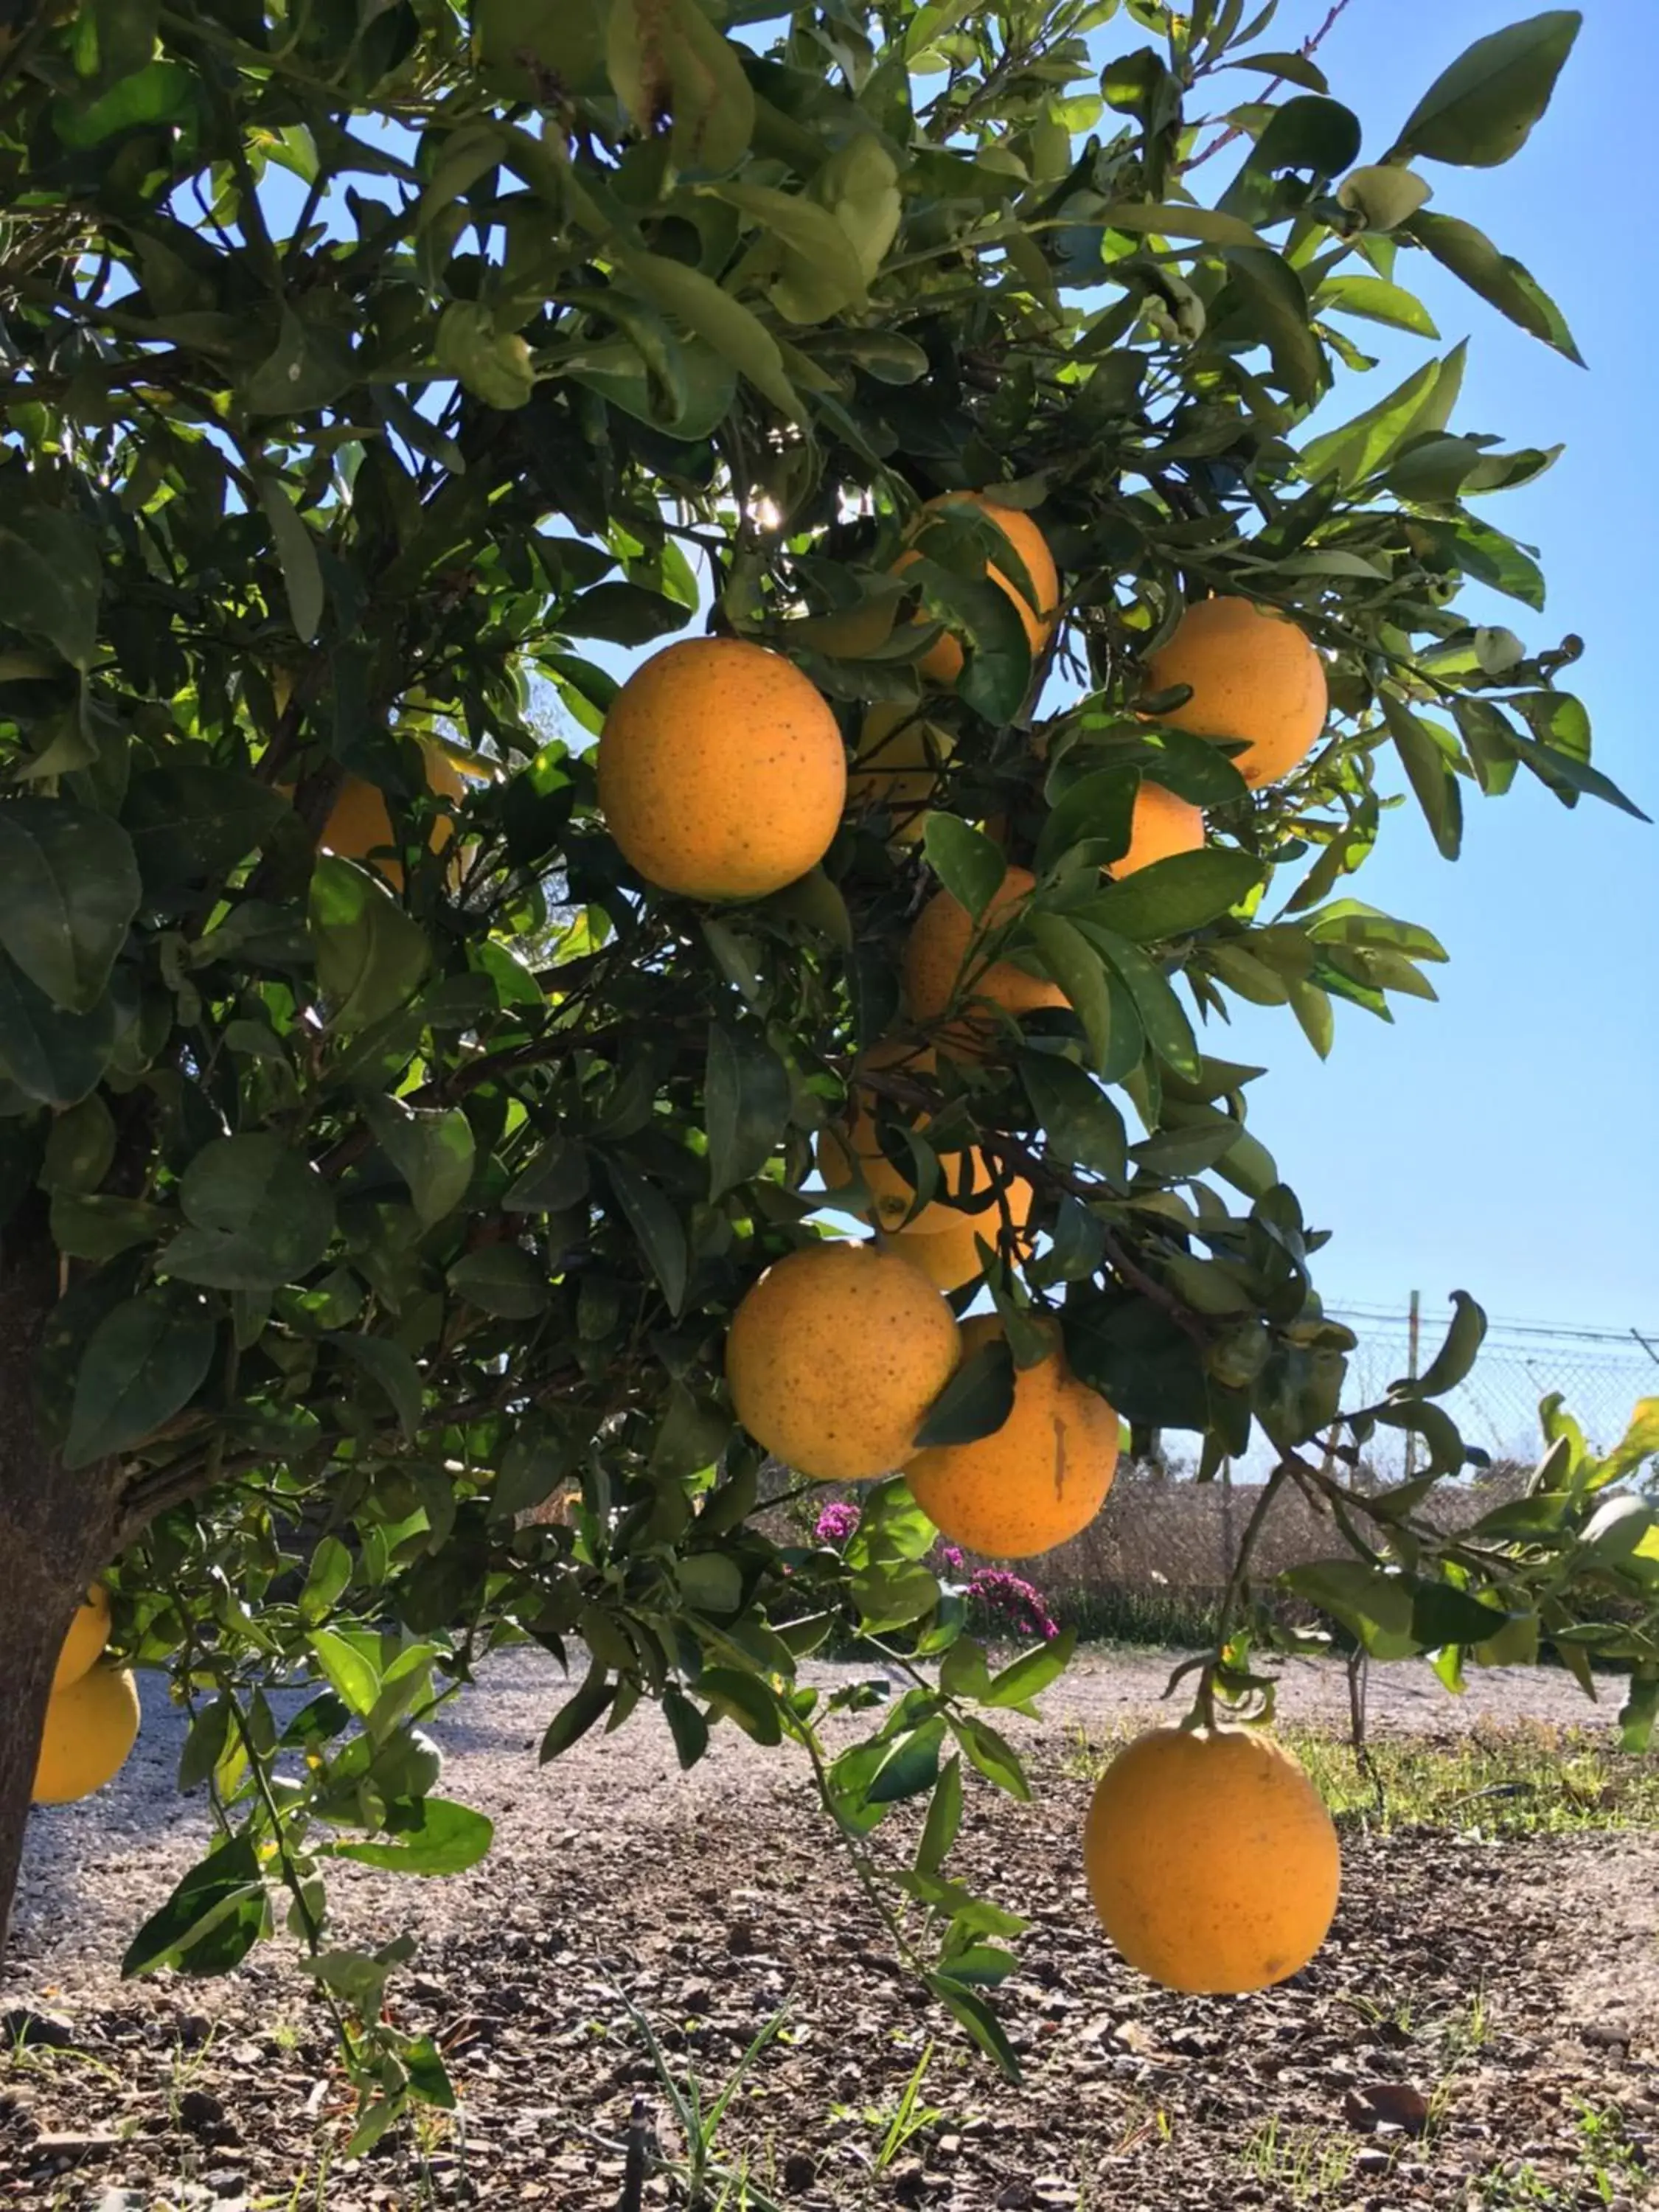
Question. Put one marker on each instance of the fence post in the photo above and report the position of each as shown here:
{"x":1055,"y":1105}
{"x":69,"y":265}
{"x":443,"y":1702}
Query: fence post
{"x":1413,"y":1332}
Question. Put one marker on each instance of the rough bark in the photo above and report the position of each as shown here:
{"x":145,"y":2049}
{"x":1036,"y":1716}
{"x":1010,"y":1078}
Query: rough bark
{"x":57,"y":1531}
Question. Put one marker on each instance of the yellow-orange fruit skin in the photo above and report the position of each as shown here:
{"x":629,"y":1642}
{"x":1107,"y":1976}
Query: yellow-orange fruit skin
{"x":942,"y":662}
{"x":895,"y":765}
{"x":938,"y":946}
{"x":359,"y":824}
{"x":1211,"y":1861}
{"x":947,"y":1251}
{"x":834,"y":1357}
{"x":1161,"y":826}
{"x":721,"y":770}
{"x":91,"y":1726}
{"x":1036,"y":1480}
{"x":83,"y":1645}
{"x":1254,"y":676}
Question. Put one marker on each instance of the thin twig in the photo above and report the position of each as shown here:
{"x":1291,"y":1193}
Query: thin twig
{"x":1309,"y":47}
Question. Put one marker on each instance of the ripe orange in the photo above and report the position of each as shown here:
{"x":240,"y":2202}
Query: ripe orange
{"x":88,"y":1632}
{"x":947,"y":1250}
{"x":91,"y":1726}
{"x":942,"y":662}
{"x":1210,"y":1859}
{"x":895,"y":765}
{"x":1254,"y":674}
{"x":934,"y":962}
{"x":358,"y":826}
{"x":1161,"y":825}
{"x":721,"y":770}
{"x":1037,"y":1479}
{"x":834,"y":1356}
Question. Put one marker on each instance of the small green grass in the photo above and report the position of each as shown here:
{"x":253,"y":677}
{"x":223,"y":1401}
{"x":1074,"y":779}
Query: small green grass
{"x":1525,"y":1779}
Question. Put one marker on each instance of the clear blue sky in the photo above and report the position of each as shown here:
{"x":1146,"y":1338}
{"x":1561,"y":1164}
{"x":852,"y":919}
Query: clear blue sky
{"x":1501,"y":1140}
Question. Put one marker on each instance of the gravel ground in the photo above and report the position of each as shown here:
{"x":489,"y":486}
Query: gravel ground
{"x":1475,"y":2001}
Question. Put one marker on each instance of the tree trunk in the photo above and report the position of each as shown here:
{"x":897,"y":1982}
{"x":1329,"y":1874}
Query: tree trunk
{"x":57,"y":1531}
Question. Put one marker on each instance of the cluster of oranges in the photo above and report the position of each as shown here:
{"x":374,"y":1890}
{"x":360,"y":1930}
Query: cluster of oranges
{"x":723,"y":775}
{"x":92,"y":1716}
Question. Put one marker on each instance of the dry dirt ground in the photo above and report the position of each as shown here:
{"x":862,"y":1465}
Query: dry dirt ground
{"x":1500,"y":2000}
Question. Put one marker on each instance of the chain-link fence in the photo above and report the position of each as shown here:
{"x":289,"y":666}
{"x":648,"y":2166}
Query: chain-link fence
{"x":1600,"y":1373}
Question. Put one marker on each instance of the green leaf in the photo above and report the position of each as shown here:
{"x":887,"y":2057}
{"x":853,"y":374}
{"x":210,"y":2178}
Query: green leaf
{"x":1375,"y":1602}
{"x":657,"y":1226}
{"x":1083,"y":1126}
{"x":892,"y":1595}
{"x":1169,"y":1032}
{"x":909,"y":1767}
{"x":736,"y":334}
{"x":555,"y":1178}
{"x":1382,"y":195}
{"x":1429,"y":773}
{"x":622,"y":614}
{"x":161,"y":92}
{"x":433,"y":1150}
{"x":710,"y":1582}
{"x":391,"y":1367}
{"x":1498,"y":277}
{"x":1456,"y":1357}
{"x":944,"y":1822}
{"x":259,"y":1215}
{"x":212,"y":1920}
{"x":819,"y":273}
{"x":966,"y":861}
{"x":347,"y":1668}
{"x":371,"y":956}
{"x":1072,"y":961}
{"x":1555,"y":768}
{"x":744,"y":1699}
{"x":188,"y":822}
{"x":1272,"y":303}
{"x":54,"y":579}
{"x":1032,"y":1672}
{"x":330,"y":1571}
{"x":428,"y":2077}
{"x":47,"y":1051}
{"x":1375,"y":301}
{"x":976,"y":1400}
{"x":502,"y":1279}
{"x":1480,"y":110}
{"x":1639,"y":1711}
{"x":745,"y":1105}
{"x":1176,"y":895}
{"x":80,"y":1146}
{"x":1146,"y":1368}
{"x":666,"y":57}
{"x":1095,"y":813}
{"x":578,"y":1714}
{"x":686,"y":1725}
{"x":1640,"y":1440}
{"x":1422,"y":404}
{"x":976,"y":2015}
{"x":296,"y":550}
{"x":1443,"y":1614}
{"x":1174,"y":221}
{"x":993,"y":1755}
{"x":142,"y":1364}
{"x":433,"y":1836}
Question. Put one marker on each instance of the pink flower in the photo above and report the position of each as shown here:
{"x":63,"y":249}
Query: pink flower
{"x":837,"y":1522}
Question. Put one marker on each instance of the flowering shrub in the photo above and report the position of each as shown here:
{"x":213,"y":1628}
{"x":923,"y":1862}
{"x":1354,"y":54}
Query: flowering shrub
{"x":837,"y":1522}
{"x":1010,"y":1602}
{"x":998,"y":1602}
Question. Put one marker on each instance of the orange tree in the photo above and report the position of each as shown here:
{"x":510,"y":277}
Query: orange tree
{"x":364,"y":365}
